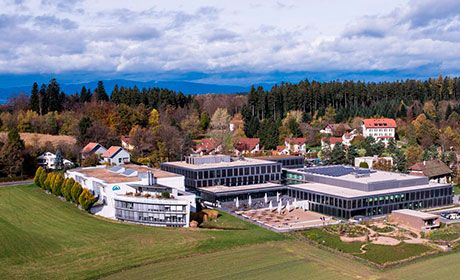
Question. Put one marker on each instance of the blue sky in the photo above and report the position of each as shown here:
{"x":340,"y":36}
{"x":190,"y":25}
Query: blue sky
{"x":227,"y":42}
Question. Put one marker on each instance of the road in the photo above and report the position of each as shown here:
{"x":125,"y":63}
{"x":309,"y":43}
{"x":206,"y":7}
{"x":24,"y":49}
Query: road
{"x":16,"y":183}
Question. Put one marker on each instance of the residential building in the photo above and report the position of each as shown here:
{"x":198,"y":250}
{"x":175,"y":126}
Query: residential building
{"x":345,"y":191}
{"x":126,"y":143}
{"x":330,"y":141}
{"x":336,"y":129}
{"x":435,"y":170}
{"x":295,"y":146}
{"x":372,"y":160}
{"x":236,"y":122}
{"x":247,"y":146}
{"x":47,"y":160}
{"x":416,"y":220}
{"x":208,"y":146}
{"x":214,"y":170}
{"x":381,"y":129}
{"x":91,"y":149}
{"x":116,"y":155}
{"x":137,"y":194}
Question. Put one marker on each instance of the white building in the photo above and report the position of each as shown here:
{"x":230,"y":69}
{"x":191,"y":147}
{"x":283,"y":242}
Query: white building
{"x":381,"y":129}
{"x":372,"y":160}
{"x":137,"y":194}
{"x":47,"y":160}
{"x":116,"y":155}
{"x":294,"y":146}
{"x":91,"y":149}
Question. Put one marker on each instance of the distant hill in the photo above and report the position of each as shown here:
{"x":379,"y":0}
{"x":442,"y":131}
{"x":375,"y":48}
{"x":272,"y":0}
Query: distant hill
{"x":185,"y":87}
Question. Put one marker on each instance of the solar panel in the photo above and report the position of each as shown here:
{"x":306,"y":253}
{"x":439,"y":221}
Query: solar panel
{"x":338,"y":170}
{"x":115,"y":168}
{"x":128,"y":172}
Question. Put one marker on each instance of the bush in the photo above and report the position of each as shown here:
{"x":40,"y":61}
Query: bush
{"x":165,"y":195}
{"x":67,"y":189}
{"x":91,"y":160}
{"x":48,"y":181}
{"x":57,"y":184}
{"x":42,"y":179}
{"x":76,"y":191}
{"x":364,"y":165}
{"x":86,"y":200}
{"x":38,"y":174}
{"x":211,"y":213}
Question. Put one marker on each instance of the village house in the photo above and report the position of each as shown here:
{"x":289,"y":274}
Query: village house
{"x":48,"y":160}
{"x":126,"y":143}
{"x":336,"y":129}
{"x":373,"y":160}
{"x":293,"y":146}
{"x":116,"y":155}
{"x":382,"y":129}
{"x":435,"y":170}
{"x":208,"y":146}
{"x":247,"y":146}
{"x":91,"y":149}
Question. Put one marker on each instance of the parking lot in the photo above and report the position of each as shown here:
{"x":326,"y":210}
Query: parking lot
{"x":449,"y":216}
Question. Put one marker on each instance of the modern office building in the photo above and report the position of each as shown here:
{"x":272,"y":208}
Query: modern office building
{"x":345,"y":191}
{"x":215,"y":170}
{"x":286,"y":161}
{"x":137,"y":194}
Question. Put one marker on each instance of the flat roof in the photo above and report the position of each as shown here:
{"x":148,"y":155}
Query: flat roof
{"x":110,"y":177}
{"x":237,"y":163}
{"x":225,"y":189}
{"x":418,"y":214}
{"x":351,"y":193}
{"x":275,"y":157}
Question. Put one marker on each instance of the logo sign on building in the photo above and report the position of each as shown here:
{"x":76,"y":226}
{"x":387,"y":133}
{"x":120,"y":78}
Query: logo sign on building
{"x":116,"y":188}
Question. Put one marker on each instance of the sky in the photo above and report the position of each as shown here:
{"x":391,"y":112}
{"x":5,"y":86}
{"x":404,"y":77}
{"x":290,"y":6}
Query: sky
{"x":238,"y":42}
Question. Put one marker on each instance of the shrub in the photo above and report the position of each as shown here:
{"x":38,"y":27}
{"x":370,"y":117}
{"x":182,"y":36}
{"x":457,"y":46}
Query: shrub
{"x":165,"y":195}
{"x":364,"y":165}
{"x":76,"y":191}
{"x":91,"y":160}
{"x":211,"y":213}
{"x":48,"y":181}
{"x":86,"y":200}
{"x":38,"y":174}
{"x":42,"y":179}
{"x":57,"y":184}
{"x":67,"y":189}
{"x":64,"y":187}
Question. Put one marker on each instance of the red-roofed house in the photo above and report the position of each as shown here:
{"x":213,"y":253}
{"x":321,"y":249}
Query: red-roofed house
{"x":91,"y":149}
{"x":247,"y":145}
{"x":126,"y":143}
{"x":296,"y":145}
{"x":381,"y":129}
{"x":208,"y":146}
{"x":330,"y":141}
{"x":116,"y":155}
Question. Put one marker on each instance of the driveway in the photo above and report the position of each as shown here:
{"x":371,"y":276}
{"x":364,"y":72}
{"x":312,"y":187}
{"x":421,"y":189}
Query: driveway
{"x":16,"y":183}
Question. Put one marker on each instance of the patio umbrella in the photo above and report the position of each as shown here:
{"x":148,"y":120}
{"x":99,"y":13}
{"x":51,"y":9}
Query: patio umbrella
{"x":270,"y":206}
{"x":250,"y":200}
{"x":288,"y":206}
{"x":266,"y":198}
{"x":277,"y":196}
{"x":237,"y":203}
{"x":279,"y":207}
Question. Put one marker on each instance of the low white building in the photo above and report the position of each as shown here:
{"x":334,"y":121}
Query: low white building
{"x":372,"y":160}
{"x":48,"y":160}
{"x":294,"y":146}
{"x":116,"y":155}
{"x":137,"y":194}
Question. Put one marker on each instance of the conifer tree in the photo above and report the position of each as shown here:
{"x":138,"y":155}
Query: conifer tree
{"x":35,"y":99}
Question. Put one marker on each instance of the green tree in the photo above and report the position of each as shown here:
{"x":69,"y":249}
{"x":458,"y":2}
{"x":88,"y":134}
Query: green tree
{"x":399,"y":161}
{"x":363,"y":164}
{"x":57,"y":184}
{"x":59,"y":161}
{"x":294,"y":128}
{"x":55,"y":98}
{"x":338,"y":154}
{"x":76,"y":191}
{"x":84,"y":130}
{"x":35,"y":99}
{"x":67,"y":188}
{"x":85,"y":95}
{"x":99,"y":93}
{"x":352,"y":153}
{"x":42,"y":179}
{"x":269,"y":134}
{"x":204,"y":121}
{"x":12,"y":155}
{"x":37,"y":176}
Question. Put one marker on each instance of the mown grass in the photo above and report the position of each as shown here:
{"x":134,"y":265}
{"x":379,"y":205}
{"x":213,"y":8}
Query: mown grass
{"x":446,"y":233}
{"x":333,"y":241}
{"x":43,"y":237}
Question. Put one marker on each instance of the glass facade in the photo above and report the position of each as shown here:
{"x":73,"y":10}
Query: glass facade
{"x":373,"y":205}
{"x":171,"y":215}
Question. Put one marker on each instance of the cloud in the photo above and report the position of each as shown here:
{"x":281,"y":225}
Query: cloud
{"x":47,"y":21}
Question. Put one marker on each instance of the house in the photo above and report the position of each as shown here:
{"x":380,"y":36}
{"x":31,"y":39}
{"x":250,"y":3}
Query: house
{"x":47,"y":161}
{"x":382,"y":129}
{"x":116,"y":155}
{"x":330,"y":141}
{"x":435,"y":170}
{"x":373,"y":160}
{"x":336,"y":129}
{"x":91,"y":149}
{"x":208,"y":146}
{"x":247,"y":145}
{"x":295,"y":145}
{"x":236,"y":122}
{"x":126,"y":143}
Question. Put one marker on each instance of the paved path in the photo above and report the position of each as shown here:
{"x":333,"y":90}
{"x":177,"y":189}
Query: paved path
{"x":16,"y":183}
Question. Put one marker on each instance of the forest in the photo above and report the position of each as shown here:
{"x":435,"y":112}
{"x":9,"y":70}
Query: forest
{"x":162,"y":124}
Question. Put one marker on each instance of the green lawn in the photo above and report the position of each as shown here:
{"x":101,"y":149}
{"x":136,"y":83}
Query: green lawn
{"x":42,"y":237}
{"x":446,"y":233}
{"x":379,"y":254}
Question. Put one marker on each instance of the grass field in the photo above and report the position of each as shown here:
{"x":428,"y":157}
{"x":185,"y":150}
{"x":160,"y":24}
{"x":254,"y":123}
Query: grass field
{"x":40,"y":140}
{"x":42,"y":237}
